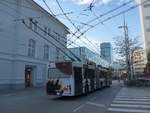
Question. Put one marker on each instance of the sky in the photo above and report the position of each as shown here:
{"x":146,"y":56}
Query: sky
{"x":80,"y":14}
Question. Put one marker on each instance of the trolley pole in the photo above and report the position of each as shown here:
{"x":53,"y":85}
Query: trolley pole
{"x":127,"y":50}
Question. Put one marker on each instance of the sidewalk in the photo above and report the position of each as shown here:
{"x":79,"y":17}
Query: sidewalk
{"x":13,"y":91}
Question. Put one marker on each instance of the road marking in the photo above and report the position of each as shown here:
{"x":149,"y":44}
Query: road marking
{"x":132,"y":97}
{"x":128,"y":110}
{"x":130,"y":106}
{"x":78,"y":108}
{"x":141,"y":96}
{"x":124,"y":99}
{"x":131,"y":102}
{"x":95,"y":104}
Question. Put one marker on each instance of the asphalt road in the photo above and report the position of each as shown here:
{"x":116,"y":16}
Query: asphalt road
{"x":35,"y":100}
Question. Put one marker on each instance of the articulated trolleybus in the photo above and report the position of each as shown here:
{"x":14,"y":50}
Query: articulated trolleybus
{"x":72,"y":78}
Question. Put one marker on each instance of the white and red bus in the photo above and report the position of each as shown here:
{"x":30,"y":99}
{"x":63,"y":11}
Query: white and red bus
{"x":72,"y":78}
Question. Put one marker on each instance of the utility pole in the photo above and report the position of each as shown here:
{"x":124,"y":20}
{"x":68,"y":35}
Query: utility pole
{"x":127,"y":49}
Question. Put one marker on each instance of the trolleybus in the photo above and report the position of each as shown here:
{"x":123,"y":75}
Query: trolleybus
{"x":73,"y":78}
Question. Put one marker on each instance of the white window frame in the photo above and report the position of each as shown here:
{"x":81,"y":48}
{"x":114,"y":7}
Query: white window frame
{"x":46,"y":51}
{"x":31,"y":48}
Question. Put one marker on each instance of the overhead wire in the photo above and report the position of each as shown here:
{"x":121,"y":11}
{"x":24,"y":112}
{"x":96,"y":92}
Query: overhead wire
{"x":75,"y":27}
{"x":104,"y":25}
{"x":30,"y":8}
{"x":90,"y":7}
{"x":67,"y":19}
{"x":77,"y":21}
{"x":13,"y":3}
{"x":113,"y":16}
{"x":26,"y":18}
{"x":54,"y":14}
{"x":105,"y":14}
{"x":72,"y":32}
{"x":59,"y":42}
{"x":48,"y":40}
{"x":110,"y":11}
{"x":49,"y":8}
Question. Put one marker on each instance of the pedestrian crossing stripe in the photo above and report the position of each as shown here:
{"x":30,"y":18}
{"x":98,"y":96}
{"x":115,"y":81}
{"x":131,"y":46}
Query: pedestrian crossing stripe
{"x":124,"y":99}
{"x":135,"y":97}
{"x":128,"y":110}
{"x":130,"y":106}
{"x":131,"y":102}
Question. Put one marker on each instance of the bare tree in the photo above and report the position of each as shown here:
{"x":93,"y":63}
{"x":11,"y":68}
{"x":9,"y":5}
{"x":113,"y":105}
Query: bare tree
{"x":124,"y":48}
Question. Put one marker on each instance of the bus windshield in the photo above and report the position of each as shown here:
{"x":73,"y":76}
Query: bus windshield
{"x":62,"y":69}
{"x":55,"y":73}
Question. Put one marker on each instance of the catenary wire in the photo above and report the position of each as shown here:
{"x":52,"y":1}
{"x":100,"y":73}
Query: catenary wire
{"x":111,"y":17}
{"x":105,"y":14}
{"x":53,"y":44}
{"x":75,"y":26}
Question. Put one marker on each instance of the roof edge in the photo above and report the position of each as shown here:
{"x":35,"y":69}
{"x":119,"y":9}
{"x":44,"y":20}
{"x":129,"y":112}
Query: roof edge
{"x":47,"y":13}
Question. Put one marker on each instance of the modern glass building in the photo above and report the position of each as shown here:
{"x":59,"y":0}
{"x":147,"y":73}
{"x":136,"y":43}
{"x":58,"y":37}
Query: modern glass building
{"x":106,"y":52}
{"x":85,"y":54}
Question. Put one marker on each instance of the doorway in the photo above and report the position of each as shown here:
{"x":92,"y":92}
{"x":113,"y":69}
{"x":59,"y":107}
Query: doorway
{"x":78,"y":80}
{"x":28,"y":73}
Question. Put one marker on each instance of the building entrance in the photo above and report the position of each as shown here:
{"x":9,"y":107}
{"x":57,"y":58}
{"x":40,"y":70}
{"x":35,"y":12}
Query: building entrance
{"x":28,"y":72}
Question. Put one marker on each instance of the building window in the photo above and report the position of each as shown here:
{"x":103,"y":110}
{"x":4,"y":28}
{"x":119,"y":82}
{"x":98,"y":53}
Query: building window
{"x":49,"y":31}
{"x":46,"y":51}
{"x":147,"y":17}
{"x":45,"y":30}
{"x":146,"y":5}
{"x":148,"y":30}
{"x":57,"y":53}
{"x":58,"y":37}
{"x":31,"y":48}
{"x":30,"y":23}
{"x":35,"y":25}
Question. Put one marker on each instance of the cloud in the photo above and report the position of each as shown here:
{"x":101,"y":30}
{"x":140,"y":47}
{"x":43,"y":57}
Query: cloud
{"x":96,"y":2}
{"x":103,"y":2}
{"x":51,"y":3}
{"x":82,"y":2}
{"x":100,"y":2}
